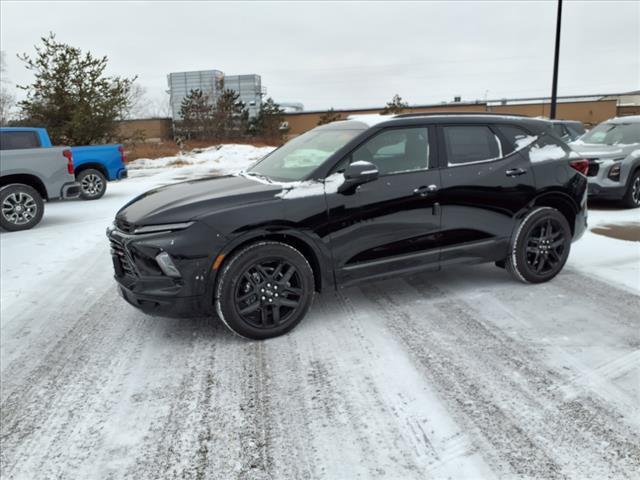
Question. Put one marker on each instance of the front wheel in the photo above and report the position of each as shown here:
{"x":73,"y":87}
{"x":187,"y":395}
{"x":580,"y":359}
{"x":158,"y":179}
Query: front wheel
{"x":22,"y":207}
{"x":93,"y":184}
{"x":631,"y":198}
{"x":540,"y":247}
{"x":264,"y":290}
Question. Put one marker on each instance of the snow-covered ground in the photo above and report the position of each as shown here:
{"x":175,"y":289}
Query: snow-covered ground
{"x":460,"y":374}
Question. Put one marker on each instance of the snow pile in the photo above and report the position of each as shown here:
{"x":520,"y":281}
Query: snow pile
{"x":222,"y":159}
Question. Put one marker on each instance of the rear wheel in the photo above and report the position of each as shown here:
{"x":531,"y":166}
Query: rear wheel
{"x":93,"y":184}
{"x":631,"y":198}
{"x":540,"y":247}
{"x":264,"y":290}
{"x":22,"y":207}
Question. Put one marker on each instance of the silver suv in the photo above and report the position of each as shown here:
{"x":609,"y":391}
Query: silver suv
{"x":613,"y":151}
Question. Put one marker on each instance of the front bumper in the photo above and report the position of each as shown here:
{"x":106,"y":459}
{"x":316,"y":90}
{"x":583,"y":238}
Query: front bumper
{"x":70,"y":190}
{"x":600,"y":185}
{"x":141,"y":280}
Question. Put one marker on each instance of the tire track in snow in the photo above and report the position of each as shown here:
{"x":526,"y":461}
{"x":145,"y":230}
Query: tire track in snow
{"x":466,"y":356}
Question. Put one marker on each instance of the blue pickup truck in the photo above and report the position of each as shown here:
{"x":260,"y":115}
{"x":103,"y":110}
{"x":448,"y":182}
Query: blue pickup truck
{"x":94,"y":165}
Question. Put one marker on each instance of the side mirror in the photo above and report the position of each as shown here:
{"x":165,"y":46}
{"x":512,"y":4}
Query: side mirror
{"x":356,"y":174}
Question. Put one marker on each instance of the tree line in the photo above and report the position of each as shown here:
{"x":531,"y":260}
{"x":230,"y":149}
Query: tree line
{"x":74,"y":98}
{"x":78,"y":103}
{"x":226,"y":117}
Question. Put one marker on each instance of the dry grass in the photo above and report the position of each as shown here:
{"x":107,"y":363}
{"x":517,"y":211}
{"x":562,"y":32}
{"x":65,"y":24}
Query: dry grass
{"x":169,"y":148}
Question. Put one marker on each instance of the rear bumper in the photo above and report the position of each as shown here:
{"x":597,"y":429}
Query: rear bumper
{"x":122,"y":173}
{"x":70,"y":190}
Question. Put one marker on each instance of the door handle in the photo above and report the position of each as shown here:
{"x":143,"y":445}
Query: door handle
{"x":515,"y":172}
{"x":424,"y":191}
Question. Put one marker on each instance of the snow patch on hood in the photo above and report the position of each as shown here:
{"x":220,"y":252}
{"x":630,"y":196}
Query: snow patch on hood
{"x":311,"y":188}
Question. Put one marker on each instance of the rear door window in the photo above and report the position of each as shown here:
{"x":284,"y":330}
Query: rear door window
{"x":18,"y":140}
{"x":470,"y":144}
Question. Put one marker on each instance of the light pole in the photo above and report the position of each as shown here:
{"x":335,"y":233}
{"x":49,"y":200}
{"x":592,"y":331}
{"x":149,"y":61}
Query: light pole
{"x":556,"y":58}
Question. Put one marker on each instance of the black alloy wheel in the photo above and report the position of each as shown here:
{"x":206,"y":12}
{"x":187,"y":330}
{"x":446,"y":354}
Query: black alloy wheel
{"x":545,"y":246}
{"x":268,"y":293}
{"x":264,"y":290}
{"x":540,"y":247}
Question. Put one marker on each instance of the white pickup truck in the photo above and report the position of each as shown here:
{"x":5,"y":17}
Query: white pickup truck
{"x":28,"y":178}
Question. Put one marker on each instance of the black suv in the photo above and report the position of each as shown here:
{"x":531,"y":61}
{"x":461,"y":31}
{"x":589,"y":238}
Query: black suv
{"x":348,"y":202}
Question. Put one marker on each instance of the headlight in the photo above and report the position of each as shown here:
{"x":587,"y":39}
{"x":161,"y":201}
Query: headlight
{"x":167,"y":227}
{"x":614,"y":173}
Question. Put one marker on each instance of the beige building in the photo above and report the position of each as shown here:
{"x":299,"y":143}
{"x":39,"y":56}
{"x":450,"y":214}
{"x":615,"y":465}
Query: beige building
{"x":590,"y":110}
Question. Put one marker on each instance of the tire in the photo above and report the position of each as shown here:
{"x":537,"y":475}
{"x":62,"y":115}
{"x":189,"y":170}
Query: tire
{"x":540,"y":246}
{"x":21,"y":207}
{"x":257,"y":295}
{"x":631,"y":197}
{"x":93,"y":184}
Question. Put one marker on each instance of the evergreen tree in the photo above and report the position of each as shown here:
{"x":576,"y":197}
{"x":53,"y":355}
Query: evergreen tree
{"x":71,"y":95}
{"x":268,"y":121}
{"x":329,"y":116}
{"x":231,"y":116}
{"x":396,"y":105}
{"x":197,"y":113}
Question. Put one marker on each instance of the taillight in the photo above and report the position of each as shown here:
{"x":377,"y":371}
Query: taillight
{"x":122,"y":154}
{"x":69,"y":156}
{"x":580,"y":165}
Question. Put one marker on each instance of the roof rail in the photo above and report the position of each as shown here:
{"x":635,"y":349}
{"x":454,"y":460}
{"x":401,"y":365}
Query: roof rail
{"x":430,"y":114}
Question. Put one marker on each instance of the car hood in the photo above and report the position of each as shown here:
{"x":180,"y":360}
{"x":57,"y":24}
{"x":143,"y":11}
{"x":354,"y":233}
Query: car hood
{"x":592,"y":150}
{"x":185,"y":201}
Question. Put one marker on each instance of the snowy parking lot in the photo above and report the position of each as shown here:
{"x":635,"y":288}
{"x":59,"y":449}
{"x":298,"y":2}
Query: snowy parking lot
{"x":460,"y":374}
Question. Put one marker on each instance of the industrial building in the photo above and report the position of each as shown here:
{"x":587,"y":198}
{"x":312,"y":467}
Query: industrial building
{"x":212,"y":83}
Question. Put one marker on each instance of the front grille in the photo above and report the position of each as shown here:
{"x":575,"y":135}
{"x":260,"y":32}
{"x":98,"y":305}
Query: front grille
{"x":593,"y":168}
{"x":121,"y":258}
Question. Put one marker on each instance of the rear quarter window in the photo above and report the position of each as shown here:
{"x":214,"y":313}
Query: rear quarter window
{"x":18,"y":140}
{"x":514,"y":138}
{"x":547,"y":148}
{"x":470,"y":144}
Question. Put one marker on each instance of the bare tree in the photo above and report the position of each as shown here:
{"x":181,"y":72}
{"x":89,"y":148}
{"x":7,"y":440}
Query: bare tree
{"x":7,"y":100}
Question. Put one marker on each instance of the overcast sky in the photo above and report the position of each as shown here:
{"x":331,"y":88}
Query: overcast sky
{"x":343,"y":55}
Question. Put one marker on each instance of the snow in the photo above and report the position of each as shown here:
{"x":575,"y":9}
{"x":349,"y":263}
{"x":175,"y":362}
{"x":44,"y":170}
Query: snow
{"x":615,"y":261}
{"x":464,"y":373}
{"x":546,"y":153}
{"x":310,"y":188}
{"x":228,"y":158}
{"x":370,"y":119}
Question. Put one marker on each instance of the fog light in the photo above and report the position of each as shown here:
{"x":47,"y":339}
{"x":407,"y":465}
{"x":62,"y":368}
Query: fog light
{"x":166,"y":265}
{"x":614,"y":173}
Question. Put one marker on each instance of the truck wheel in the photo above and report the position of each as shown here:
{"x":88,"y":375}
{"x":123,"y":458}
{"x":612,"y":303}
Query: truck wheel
{"x":93,"y":184}
{"x":264,"y":290}
{"x":631,"y":198}
{"x":540,"y":247}
{"x":22,"y":207}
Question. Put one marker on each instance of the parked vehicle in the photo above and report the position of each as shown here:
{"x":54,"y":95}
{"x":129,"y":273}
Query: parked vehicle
{"x":95,"y":165}
{"x":28,"y":177}
{"x":613,"y":151}
{"x":348,"y":202}
{"x":567,"y":130}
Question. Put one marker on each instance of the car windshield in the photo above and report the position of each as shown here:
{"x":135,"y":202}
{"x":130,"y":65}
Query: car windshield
{"x":613,"y":134}
{"x":296,"y":159}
